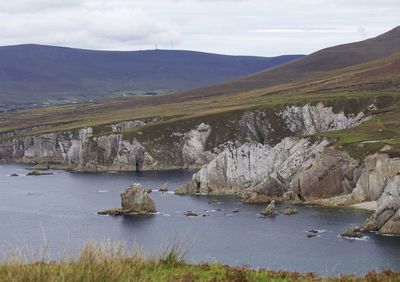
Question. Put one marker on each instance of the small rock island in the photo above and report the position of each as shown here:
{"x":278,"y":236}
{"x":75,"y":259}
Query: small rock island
{"x":134,"y":200}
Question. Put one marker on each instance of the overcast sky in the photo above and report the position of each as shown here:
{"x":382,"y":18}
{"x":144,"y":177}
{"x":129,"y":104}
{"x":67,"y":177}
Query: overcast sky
{"x":247,"y":27}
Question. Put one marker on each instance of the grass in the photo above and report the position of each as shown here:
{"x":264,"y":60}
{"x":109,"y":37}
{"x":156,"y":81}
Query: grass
{"x":371,"y":136}
{"x":112,"y":262}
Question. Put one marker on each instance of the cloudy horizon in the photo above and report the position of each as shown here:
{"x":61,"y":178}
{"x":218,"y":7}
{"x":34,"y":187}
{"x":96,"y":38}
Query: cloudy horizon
{"x":234,"y":27}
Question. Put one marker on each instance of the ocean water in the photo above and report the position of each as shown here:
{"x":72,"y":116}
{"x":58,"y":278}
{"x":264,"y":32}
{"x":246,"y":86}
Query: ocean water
{"x":60,"y":211}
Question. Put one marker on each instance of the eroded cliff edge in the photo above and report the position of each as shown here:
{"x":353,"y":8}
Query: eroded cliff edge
{"x":154,"y":144}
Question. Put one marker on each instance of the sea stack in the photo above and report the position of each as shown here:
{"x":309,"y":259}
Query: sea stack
{"x":134,"y":200}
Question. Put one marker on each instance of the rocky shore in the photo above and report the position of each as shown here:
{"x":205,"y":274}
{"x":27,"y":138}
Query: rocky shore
{"x":259,"y":155}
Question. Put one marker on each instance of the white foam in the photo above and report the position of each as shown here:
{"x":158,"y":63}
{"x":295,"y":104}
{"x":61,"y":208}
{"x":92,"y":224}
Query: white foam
{"x":364,"y":238}
{"x":103,"y":191}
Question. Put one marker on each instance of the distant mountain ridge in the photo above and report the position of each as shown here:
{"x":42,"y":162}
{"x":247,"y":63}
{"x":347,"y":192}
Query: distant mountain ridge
{"x":320,"y":62}
{"x":38,"y":73}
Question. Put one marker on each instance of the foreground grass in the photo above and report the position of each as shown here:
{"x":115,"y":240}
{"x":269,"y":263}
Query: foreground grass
{"x":114,"y":263}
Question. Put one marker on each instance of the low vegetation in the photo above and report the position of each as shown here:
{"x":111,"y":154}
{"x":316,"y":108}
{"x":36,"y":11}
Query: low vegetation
{"x":112,"y":262}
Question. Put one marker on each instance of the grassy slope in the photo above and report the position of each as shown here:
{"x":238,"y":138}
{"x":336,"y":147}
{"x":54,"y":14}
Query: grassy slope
{"x":326,"y":60}
{"x":114,"y":264}
{"x":36,"y":73}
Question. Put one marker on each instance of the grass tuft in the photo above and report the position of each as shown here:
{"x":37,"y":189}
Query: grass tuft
{"x":114,"y":262}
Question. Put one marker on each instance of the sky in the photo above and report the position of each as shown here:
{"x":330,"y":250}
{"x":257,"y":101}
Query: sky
{"x":234,"y":27}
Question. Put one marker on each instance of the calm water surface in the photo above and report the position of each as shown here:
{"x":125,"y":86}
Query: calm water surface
{"x":61,"y":210}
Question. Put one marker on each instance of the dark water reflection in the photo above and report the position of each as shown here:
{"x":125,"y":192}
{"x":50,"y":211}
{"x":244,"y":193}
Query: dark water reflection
{"x":61,"y":210}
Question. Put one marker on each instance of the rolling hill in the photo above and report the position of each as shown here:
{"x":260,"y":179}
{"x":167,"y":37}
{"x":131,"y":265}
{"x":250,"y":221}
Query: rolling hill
{"x":45,"y":74}
{"x":377,"y":76}
{"x":320,"y":62}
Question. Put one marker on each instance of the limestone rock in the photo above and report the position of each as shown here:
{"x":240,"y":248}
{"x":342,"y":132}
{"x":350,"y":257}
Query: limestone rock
{"x":352,"y":233}
{"x":289,"y":211}
{"x":377,"y":169}
{"x":134,"y":200}
{"x":193,"y":149}
{"x":269,"y":210}
{"x":329,"y":173}
{"x":386,"y":217}
{"x":164,"y":188}
{"x":309,"y":119}
{"x":254,"y":167}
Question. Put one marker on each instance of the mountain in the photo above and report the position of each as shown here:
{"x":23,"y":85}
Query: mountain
{"x":36,"y":73}
{"x":320,"y":62}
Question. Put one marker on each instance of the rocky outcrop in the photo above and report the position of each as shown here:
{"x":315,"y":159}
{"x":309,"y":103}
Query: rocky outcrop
{"x":78,"y":150}
{"x":108,"y":148}
{"x":377,"y":169}
{"x":260,"y":173}
{"x":309,"y":119}
{"x":269,"y":210}
{"x":252,"y":166}
{"x":289,"y":211}
{"x":386,"y":219}
{"x":83,"y":150}
{"x":328,"y":173}
{"x":193,"y":149}
{"x":134,"y":200}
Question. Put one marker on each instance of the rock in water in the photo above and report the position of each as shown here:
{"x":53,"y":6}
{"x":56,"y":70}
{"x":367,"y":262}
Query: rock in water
{"x":135,"y":199}
{"x":269,"y":210}
{"x":38,"y":173}
{"x":164,"y":188}
{"x":191,"y":213}
{"x":352,"y":233}
{"x":289,"y":211}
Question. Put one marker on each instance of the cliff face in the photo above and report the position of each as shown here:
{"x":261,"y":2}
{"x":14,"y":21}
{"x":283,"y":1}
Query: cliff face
{"x":376,"y":171}
{"x":386,"y":219}
{"x":82,"y":150}
{"x":308,"y":119}
{"x":88,"y":150}
{"x":295,"y":168}
{"x":260,"y":173}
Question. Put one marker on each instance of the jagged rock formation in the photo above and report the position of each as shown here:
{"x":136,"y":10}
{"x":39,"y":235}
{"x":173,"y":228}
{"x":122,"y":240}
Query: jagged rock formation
{"x":309,"y":119}
{"x":377,"y":169}
{"x":386,"y":219}
{"x":269,"y":210}
{"x":328,"y":173}
{"x":87,"y":149}
{"x":78,"y":150}
{"x":260,"y":173}
{"x":134,"y":200}
{"x":82,"y":150}
{"x":193,"y":149}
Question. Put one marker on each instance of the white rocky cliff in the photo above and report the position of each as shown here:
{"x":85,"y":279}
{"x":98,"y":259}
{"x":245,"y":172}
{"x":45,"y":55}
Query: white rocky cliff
{"x":82,"y":150}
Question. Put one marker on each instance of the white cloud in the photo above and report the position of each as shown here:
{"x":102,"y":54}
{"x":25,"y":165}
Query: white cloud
{"x":254,"y":27}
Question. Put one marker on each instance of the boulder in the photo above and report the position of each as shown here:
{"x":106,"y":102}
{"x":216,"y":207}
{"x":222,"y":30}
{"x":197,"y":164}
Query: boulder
{"x":289,"y":211}
{"x":269,"y":210}
{"x":190,"y":213}
{"x":164,"y":188}
{"x":134,"y":200}
{"x":353,"y":232}
{"x":38,"y":173}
